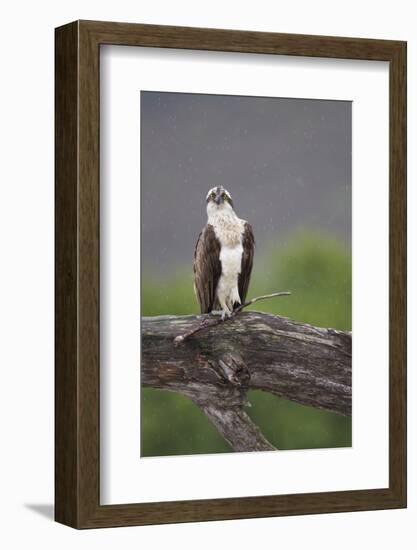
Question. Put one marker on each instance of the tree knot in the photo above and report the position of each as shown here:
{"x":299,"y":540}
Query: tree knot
{"x":232,"y":368}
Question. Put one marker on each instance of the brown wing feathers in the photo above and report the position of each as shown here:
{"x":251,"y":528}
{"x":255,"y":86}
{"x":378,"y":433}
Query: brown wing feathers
{"x":248,"y":243}
{"x":207,"y":268}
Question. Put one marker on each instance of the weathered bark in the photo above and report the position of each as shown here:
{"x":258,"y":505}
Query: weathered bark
{"x":216,"y":367}
{"x":237,"y":429}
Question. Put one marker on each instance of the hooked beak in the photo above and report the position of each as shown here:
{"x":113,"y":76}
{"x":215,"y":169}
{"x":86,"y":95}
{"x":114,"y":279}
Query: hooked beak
{"x":219,"y":199}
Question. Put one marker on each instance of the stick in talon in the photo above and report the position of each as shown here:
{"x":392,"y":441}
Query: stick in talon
{"x":217,"y":321}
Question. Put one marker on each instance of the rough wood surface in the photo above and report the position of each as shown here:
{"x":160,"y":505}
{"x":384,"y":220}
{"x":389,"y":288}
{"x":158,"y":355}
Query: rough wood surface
{"x":216,"y":367}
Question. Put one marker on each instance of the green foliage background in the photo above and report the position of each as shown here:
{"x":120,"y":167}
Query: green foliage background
{"x":316,"y":268}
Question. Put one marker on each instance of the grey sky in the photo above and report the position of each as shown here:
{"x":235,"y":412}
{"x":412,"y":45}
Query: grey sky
{"x":286,"y":162}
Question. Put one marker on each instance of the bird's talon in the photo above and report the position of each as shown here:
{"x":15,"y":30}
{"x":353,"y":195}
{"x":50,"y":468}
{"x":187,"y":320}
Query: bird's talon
{"x":216,"y":312}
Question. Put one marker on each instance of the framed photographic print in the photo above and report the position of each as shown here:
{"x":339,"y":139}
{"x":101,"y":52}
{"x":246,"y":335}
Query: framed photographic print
{"x":230,"y":274}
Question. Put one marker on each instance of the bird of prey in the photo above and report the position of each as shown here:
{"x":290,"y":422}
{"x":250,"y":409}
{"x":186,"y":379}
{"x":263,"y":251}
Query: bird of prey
{"x":223,"y":256}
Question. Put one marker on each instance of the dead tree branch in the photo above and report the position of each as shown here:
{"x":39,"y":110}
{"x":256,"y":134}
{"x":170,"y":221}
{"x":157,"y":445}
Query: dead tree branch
{"x":216,"y":367}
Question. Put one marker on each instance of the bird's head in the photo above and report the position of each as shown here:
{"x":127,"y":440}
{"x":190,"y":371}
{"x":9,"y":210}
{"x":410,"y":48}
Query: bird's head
{"x":219,"y":199}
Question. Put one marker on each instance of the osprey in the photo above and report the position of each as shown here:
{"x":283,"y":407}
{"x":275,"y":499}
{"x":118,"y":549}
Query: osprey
{"x":223,"y":256}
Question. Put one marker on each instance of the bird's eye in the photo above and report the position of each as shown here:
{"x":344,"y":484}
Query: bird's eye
{"x":213,"y":195}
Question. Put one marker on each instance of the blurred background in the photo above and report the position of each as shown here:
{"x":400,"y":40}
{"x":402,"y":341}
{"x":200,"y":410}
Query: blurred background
{"x":287,"y":164}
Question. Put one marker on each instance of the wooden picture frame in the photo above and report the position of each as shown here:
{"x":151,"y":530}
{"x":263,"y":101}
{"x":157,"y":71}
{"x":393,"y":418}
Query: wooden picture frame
{"x":77,"y":373}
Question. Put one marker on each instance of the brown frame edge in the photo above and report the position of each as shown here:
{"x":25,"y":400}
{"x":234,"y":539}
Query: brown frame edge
{"x":77,"y":376}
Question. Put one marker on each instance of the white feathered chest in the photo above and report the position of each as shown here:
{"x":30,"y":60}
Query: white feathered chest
{"x":229,"y":231}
